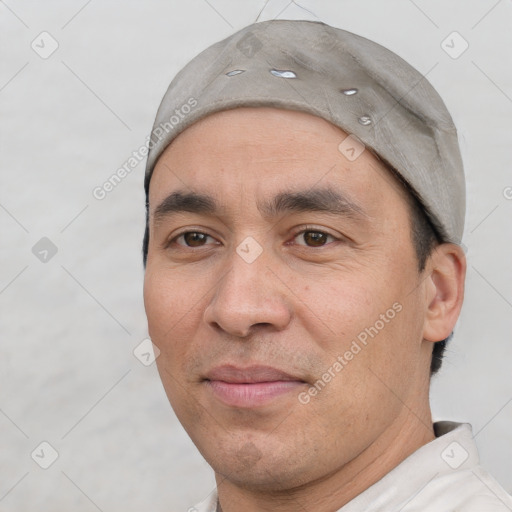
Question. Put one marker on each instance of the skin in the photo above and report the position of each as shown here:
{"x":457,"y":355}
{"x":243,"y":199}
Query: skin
{"x":298,"y":306}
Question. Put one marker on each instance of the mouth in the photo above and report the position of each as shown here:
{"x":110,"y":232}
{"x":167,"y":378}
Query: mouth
{"x":250,"y":387}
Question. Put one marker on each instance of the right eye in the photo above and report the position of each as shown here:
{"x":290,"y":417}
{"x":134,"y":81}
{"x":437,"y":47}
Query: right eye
{"x":191,"y":239}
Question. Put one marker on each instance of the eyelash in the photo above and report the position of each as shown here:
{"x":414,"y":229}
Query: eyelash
{"x":307,"y":229}
{"x":312,"y":229}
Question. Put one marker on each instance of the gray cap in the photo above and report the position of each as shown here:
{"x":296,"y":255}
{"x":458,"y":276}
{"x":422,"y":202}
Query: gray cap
{"x":352,"y":82}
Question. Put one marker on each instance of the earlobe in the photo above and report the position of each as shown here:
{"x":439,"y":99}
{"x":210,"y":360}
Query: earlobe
{"x":445,"y":291}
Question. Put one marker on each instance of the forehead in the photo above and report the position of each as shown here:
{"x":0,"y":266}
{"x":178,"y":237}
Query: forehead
{"x":249,"y":154}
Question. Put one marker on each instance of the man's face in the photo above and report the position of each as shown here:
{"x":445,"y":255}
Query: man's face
{"x":299,"y":260}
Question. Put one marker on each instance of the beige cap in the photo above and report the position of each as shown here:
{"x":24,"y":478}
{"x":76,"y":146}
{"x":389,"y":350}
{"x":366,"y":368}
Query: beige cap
{"x":354,"y":83}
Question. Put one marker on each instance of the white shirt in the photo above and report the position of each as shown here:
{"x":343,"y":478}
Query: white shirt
{"x":441,"y":476}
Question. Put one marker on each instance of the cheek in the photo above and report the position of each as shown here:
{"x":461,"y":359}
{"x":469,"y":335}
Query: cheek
{"x":342,"y":306}
{"x":158,"y":302}
{"x":172,"y":307}
{"x":366,"y":320}
{"x":377,"y":336}
{"x":172,"y":313}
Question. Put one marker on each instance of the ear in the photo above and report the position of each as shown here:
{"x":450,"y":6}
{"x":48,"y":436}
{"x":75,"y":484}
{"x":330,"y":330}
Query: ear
{"x":446,"y":269}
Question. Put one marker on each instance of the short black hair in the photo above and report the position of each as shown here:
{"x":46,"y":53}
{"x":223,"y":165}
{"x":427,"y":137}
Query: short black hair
{"x":145,"y":240}
{"x":425,"y":238}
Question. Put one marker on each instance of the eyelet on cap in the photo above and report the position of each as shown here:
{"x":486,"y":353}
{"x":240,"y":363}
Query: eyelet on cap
{"x":235,"y":72}
{"x":365,"y":120}
{"x":283,"y":73}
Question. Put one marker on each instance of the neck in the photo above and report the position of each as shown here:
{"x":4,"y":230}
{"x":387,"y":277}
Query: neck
{"x":408,"y":432}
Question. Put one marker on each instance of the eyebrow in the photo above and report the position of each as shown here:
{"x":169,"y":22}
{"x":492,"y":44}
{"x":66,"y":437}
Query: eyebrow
{"x":324,"y":199}
{"x":312,"y":200}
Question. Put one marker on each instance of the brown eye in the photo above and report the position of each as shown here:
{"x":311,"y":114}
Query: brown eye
{"x":314,"y":238}
{"x":194,"y":238}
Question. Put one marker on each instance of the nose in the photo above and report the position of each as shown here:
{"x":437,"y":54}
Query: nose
{"x":247,"y":296}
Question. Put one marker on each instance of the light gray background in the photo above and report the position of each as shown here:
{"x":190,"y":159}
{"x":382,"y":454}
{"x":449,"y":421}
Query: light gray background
{"x":69,"y":326}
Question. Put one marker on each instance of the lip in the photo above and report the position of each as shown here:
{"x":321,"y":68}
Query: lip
{"x":249,"y":375}
{"x":251,"y":386}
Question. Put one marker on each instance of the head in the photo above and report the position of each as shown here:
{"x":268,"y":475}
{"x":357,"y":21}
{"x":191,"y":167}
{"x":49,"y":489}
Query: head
{"x":266,"y":246}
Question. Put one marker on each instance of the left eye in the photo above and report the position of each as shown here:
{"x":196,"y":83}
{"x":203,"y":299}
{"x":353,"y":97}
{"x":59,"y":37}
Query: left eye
{"x":193,"y":239}
{"x":313,"y":238}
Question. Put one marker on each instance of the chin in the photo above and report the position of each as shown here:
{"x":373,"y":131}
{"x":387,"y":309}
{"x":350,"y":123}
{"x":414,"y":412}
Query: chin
{"x":258,"y":466}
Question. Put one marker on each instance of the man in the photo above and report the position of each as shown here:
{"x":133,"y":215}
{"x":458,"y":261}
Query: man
{"x":305,"y":206}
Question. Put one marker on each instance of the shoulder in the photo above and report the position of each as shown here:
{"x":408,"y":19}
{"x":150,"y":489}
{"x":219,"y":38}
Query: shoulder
{"x":445,"y":475}
{"x":468,"y":490}
{"x":487,"y":494}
